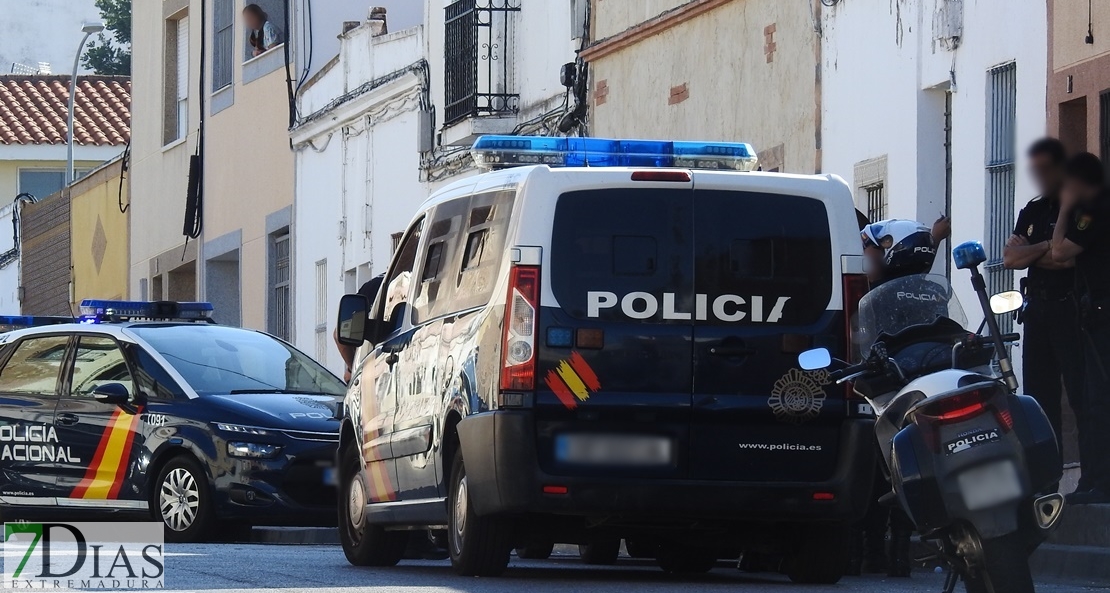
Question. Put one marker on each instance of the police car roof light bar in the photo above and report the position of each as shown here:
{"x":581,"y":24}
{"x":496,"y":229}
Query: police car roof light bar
{"x":95,"y":311}
{"x":14,"y":322}
{"x":499,"y":152}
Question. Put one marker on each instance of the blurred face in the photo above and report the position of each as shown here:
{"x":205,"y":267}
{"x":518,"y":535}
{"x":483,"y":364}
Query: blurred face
{"x":1078,"y":191}
{"x":873,"y":263}
{"x":251,"y":20}
{"x":1047,"y":174}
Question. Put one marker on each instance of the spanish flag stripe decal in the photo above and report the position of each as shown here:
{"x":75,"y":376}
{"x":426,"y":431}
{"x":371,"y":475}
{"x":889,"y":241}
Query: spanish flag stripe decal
{"x":90,"y":473}
{"x":561,"y":391}
{"x":112,"y":454}
{"x":573,"y":381}
{"x":125,"y":460}
{"x":584,"y":371}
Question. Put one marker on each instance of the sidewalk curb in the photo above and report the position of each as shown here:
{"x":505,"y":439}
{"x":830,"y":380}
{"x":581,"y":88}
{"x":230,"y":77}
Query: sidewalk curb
{"x":1088,"y":565}
{"x":295,"y":535}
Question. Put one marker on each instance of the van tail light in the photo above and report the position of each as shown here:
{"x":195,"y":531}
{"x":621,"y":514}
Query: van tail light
{"x":855,"y":286}
{"x":518,"y":348}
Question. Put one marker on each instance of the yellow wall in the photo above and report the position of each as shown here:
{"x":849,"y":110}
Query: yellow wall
{"x":99,"y":236}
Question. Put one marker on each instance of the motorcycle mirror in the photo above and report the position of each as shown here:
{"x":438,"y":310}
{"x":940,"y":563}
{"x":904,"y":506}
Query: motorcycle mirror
{"x":818,"y":358}
{"x":1006,"y":302}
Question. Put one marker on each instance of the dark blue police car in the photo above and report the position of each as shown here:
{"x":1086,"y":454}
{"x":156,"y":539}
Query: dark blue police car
{"x":140,"y":407}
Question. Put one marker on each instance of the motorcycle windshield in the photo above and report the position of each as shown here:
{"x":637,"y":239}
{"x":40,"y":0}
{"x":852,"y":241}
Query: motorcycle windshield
{"x":895,"y":305}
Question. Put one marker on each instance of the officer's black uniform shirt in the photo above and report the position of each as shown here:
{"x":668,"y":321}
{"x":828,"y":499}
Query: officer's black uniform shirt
{"x":1090,"y":229}
{"x":1035,"y":222}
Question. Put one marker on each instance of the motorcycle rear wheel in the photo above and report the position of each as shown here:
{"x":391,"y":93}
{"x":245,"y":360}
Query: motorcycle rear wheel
{"x":1005,"y":567}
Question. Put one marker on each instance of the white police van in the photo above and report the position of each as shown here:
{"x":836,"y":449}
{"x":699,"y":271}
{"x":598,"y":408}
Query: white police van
{"x":597,"y":341}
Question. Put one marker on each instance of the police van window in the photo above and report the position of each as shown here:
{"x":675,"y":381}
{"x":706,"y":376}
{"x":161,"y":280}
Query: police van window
{"x":780,"y":266}
{"x":34,"y":366}
{"x":487,"y":228}
{"x":434,"y":293}
{"x":396,"y":286}
{"x":98,"y":361}
{"x":618,"y":253}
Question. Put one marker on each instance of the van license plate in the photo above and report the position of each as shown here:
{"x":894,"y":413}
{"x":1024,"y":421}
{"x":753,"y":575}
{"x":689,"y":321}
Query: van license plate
{"x":989,"y":485}
{"x":614,"y":449}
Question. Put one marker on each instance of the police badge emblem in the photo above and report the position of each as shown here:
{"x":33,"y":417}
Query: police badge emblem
{"x":1084,"y":222}
{"x":798,"y":396}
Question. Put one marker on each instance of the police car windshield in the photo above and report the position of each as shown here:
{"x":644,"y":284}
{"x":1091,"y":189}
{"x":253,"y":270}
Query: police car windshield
{"x":216,"y":360}
{"x":912,"y":300}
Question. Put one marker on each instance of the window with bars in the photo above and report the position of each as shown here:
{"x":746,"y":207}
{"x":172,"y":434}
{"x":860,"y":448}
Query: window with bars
{"x":478,"y":39}
{"x":876,"y":201}
{"x":322,"y":310}
{"x":223,"y":43}
{"x":281,"y":297}
{"x":1001,"y":151}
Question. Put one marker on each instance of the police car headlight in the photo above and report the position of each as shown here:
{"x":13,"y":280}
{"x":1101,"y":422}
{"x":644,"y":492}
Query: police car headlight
{"x":240,"y":429}
{"x":254,"y":450}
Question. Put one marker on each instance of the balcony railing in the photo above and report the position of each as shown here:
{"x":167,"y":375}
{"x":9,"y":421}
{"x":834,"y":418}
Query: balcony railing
{"x":478,"y":38}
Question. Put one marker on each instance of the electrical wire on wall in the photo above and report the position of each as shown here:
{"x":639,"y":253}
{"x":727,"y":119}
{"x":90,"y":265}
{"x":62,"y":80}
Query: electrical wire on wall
{"x":194,"y":195}
{"x":125,"y":163}
{"x":12,"y":254}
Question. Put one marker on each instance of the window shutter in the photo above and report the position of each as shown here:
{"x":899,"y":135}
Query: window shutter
{"x":182,"y":58}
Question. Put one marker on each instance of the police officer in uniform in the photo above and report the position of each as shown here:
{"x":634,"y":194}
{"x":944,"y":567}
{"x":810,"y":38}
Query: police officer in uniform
{"x":1082,"y":234}
{"x":1052,"y":347}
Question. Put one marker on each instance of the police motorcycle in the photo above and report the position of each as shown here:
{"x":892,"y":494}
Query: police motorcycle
{"x":971,"y":461}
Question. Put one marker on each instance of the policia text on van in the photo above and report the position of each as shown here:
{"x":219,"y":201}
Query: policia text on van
{"x":590,"y":354}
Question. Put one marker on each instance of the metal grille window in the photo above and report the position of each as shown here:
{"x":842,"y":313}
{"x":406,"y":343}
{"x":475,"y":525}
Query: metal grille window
{"x":1001,"y":149}
{"x":876,"y":202}
{"x":322,"y":310}
{"x":223,"y":43}
{"x":478,"y":39}
{"x":281,"y":301}
{"x":1104,"y":128}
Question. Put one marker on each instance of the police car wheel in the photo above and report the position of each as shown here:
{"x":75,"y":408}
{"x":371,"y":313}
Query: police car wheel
{"x":479,"y":546}
{"x":183,"y":500}
{"x":363,"y":544}
{"x":600,"y":552}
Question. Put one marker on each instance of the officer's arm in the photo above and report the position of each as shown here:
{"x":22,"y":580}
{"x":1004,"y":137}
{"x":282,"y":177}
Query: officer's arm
{"x":1048,"y":262}
{"x":1063,"y":248}
{"x":1019,"y":254}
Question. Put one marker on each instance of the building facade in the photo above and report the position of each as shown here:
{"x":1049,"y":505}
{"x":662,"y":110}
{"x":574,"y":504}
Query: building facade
{"x":729,"y":70}
{"x":1079,"y":75}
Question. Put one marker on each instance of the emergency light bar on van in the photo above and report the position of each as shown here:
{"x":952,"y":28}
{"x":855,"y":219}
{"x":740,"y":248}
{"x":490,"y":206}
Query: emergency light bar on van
{"x":499,"y":152}
{"x":13,"y":322}
{"x":96,"y":311}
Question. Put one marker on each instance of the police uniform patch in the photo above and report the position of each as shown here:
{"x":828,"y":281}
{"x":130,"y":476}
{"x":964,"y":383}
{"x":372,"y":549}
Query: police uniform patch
{"x":1084,"y":222}
{"x":1029,"y":231}
{"x":798,"y":396}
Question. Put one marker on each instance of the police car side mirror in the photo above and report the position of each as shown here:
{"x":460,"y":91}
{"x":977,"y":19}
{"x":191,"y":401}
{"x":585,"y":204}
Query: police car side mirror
{"x":812,"y":360}
{"x":112,"y":393}
{"x":1006,"y":302}
{"x":353,"y":309}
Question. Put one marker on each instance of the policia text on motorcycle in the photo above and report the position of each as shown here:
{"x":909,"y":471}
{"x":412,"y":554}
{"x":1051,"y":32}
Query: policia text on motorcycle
{"x":1053,"y":345}
{"x":1081,"y":234}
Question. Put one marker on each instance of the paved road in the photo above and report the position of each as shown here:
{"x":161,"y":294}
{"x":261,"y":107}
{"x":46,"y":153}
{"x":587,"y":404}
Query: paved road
{"x":319,"y":569}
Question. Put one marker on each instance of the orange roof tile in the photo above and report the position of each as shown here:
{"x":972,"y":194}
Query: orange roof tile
{"x":33,"y":109}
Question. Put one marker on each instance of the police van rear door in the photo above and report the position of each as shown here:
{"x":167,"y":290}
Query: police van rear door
{"x":765,"y":276}
{"x":613,"y":382}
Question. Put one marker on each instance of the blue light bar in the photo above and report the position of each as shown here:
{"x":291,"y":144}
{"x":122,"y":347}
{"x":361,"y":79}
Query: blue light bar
{"x":499,"y":152}
{"x":93,"y":311}
{"x":13,"y":322}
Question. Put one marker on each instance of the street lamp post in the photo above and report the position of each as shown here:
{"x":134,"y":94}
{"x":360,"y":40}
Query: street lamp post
{"x":89,"y":29}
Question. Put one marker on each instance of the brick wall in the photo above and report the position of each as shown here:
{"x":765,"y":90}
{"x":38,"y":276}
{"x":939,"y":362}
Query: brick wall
{"x":46,"y":256}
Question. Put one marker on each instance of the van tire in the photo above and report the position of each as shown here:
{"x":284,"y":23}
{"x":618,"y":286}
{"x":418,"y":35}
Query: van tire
{"x":535,"y":550}
{"x":363,"y":544}
{"x":600,"y":552}
{"x":479,"y":546}
{"x":684,"y":560}
{"x":184,"y":476}
{"x":641,"y":548}
{"x":819,"y":556}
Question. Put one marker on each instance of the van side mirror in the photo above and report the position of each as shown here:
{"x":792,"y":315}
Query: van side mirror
{"x":353,"y":310}
{"x":1006,"y":302}
{"x":115,"y":394}
{"x":812,"y":360}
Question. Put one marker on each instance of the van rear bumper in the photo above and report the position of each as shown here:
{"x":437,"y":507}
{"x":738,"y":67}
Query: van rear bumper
{"x":503,"y":477}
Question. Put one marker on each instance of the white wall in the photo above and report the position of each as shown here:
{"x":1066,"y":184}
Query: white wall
{"x":883,"y":93}
{"x":9,"y":276}
{"x":34,"y":31}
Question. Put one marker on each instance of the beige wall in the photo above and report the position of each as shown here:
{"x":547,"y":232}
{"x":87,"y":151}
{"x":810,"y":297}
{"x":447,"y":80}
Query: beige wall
{"x":1069,"y":29}
{"x":613,"y":16}
{"x":1079,"y":74}
{"x":99,"y":235}
{"x":734,"y":93}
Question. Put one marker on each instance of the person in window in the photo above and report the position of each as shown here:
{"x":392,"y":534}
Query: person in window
{"x":264,"y":33}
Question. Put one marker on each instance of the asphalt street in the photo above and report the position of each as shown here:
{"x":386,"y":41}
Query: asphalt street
{"x":320,"y":568}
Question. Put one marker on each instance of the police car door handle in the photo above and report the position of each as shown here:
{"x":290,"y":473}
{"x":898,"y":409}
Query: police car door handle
{"x":67,"y":419}
{"x":731,"y":350}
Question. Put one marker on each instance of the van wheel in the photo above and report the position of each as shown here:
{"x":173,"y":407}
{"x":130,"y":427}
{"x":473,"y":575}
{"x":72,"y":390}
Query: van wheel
{"x":535,"y":550}
{"x":641,"y":548}
{"x":363,"y":544}
{"x":183,"y":501}
{"x":819,"y":556}
{"x":600,"y":552}
{"x":679,"y":560}
{"x":479,"y":546}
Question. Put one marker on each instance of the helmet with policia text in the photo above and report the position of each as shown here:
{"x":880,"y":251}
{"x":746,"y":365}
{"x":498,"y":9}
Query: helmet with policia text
{"x":907,"y":246}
